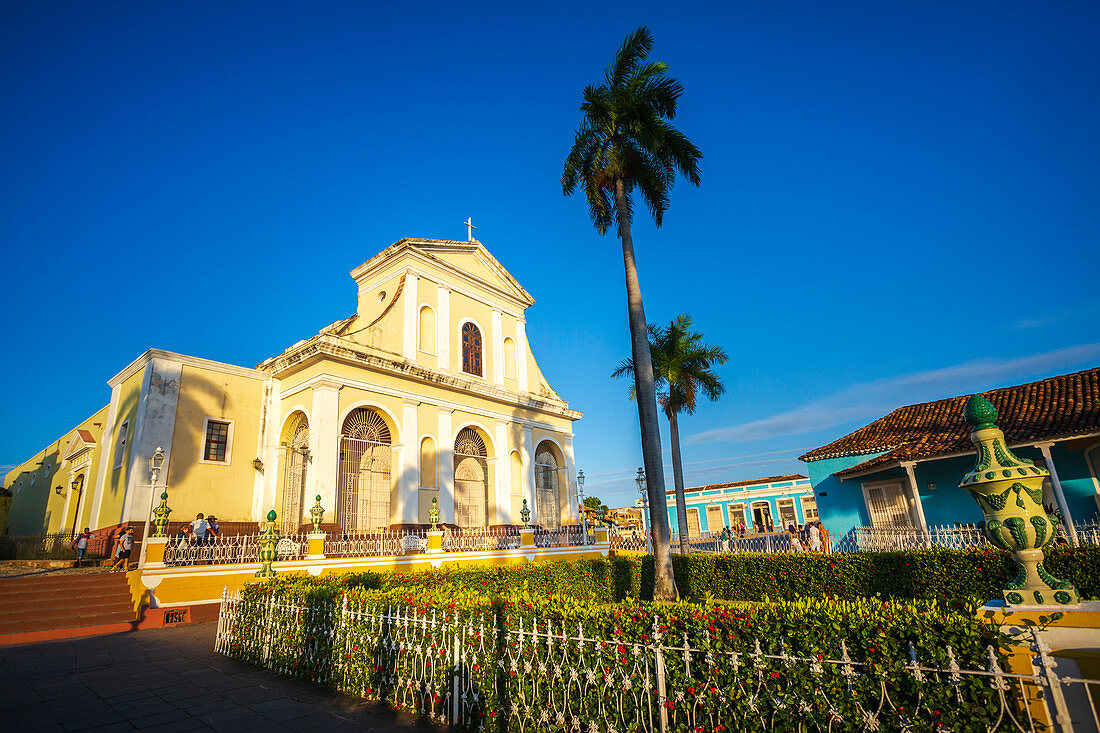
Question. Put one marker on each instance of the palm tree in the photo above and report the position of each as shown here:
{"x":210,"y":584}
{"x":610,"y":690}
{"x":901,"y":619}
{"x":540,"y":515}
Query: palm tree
{"x":625,"y":143}
{"x":684,"y":366}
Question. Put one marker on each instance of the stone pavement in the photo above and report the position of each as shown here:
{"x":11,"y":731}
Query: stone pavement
{"x":168,"y":680}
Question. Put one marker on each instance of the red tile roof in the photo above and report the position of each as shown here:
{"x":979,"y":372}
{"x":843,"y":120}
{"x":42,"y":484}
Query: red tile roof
{"x":1061,"y":407}
{"x":750,"y":482}
{"x":85,"y":436}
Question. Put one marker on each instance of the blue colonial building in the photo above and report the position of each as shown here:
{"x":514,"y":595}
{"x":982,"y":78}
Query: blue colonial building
{"x":775,"y":501}
{"x":902,"y":470}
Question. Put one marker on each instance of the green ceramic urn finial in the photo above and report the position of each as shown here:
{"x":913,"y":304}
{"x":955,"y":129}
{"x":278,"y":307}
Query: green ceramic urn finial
{"x":269,"y":539}
{"x":160,"y":516}
{"x":1009,"y":491}
{"x":525,"y":514}
{"x":317,"y":515}
{"x":433,"y":514}
{"x":980,"y":412}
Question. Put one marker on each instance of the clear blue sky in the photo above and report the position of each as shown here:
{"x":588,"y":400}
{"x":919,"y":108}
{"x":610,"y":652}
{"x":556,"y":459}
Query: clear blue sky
{"x":899,"y":200}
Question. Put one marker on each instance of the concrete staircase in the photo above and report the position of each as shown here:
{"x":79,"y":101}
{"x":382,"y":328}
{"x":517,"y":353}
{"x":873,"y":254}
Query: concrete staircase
{"x":38,"y":608}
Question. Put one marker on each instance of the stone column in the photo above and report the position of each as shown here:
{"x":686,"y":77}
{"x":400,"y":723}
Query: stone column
{"x":408,"y":482}
{"x":445,"y":468}
{"x":570,"y":478}
{"x":324,"y":444}
{"x":412,"y":306}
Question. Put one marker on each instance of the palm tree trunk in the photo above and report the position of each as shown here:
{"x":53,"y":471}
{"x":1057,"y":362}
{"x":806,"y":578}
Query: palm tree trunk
{"x":678,"y":479}
{"x":664,"y":584}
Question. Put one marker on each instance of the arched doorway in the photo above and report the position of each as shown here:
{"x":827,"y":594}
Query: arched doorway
{"x":547,"y":501}
{"x":363,"y":484}
{"x":471,"y":479}
{"x":295,"y":445}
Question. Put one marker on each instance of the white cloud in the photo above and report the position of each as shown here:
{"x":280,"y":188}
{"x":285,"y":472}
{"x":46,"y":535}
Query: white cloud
{"x":870,"y":401}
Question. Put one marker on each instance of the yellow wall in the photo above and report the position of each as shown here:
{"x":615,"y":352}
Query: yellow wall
{"x":114,"y":487}
{"x":35,"y":507}
{"x":224,"y":490}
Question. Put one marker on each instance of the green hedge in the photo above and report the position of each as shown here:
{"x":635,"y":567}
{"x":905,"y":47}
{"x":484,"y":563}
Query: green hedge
{"x":948,"y":576}
{"x":305,"y":627}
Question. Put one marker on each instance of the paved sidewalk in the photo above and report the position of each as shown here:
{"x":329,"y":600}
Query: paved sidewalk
{"x":167,"y":680}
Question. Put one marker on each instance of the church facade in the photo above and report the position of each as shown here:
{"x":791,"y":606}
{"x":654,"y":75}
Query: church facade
{"x":429,"y":391}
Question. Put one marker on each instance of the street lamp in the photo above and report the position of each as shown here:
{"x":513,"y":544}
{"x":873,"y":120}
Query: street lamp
{"x":155,"y":462}
{"x":640,"y":480}
{"x":580,"y":496}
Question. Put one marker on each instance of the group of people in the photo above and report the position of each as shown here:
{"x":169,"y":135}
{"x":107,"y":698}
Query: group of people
{"x":809,"y":537}
{"x":195,"y":541}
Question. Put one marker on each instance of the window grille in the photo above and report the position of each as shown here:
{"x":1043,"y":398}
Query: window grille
{"x":471,"y":479}
{"x":809,"y":508}
{"x":693,"y":522}
{"x":363,"y":483}
{"x":888,"y":506}
{"x":547,"y":506}
{"x":786,"y":512}
{"x":471,"y":349}
{"x":714,"y":519}
{"x":737,"y":514}
{"x":294,"y":477}
{"x":217,"y":440}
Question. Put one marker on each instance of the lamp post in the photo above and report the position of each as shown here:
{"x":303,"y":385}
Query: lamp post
{"x":155,"y":462}
{"x":640,"y":480}
{"x":580,"y":495}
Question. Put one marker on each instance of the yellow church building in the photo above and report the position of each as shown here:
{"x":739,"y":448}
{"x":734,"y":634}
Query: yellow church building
{"x":429,"y":391}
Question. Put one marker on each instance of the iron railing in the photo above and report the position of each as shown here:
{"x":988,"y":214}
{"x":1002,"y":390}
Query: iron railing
{"x":476,"y":673}
{"x":379,"y":543}
{"x":56,"y":546}
{"x":474,"y":539}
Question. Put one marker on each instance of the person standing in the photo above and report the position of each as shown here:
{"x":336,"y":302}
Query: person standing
{"x":815,"y":538}
{"x":198,"y":536}
{"x":82,"y":545}
{"x":213,"y":531}
{"x":824,"y":537}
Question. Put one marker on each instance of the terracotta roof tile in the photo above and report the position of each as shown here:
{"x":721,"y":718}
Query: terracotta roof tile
{"x":1059,"y":407}
{"x":86,"y":436}
{"x":750,"y":482}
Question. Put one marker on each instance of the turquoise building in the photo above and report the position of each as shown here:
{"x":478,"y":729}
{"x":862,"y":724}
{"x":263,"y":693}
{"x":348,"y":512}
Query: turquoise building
{"x":775,"y":501}
{"x":902,"y":471}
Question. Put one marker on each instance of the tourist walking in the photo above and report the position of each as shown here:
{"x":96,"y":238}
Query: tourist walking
{"x":815,"y":538}
{"x":125,"y":547}
{"x":824,"y":537}
{"x":81,"y":544}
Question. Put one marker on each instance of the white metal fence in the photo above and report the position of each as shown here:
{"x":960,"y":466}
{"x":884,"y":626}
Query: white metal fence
{"x":56,"y":546}
{"x":475,"y":673}
{"x":475,"y":539}
{"x":379,"y":543}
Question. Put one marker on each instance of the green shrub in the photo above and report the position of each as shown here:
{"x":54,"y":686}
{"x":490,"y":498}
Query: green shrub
{"x":339,"y":632}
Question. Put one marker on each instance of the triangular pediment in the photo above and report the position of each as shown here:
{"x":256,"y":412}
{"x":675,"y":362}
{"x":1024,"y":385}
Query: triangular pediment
{"x":81,"y":441}
{"x":466,"y":261}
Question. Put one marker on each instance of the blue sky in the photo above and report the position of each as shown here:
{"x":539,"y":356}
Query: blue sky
{"x":899,"y":200}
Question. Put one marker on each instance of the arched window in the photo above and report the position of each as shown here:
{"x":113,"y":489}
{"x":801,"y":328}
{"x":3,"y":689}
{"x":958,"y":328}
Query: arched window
{"x":427,"y":330}
{"x":509,"y":358}
{"x":363,"y":484}
{"x":471,"y":479}
{"x":547,"y":507}
{"x":295,"y":445}
{"x":427,"y":463}
{"x":471,"y":349}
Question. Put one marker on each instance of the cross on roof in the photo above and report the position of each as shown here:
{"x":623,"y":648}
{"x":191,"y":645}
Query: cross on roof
{"x":470,"y":228}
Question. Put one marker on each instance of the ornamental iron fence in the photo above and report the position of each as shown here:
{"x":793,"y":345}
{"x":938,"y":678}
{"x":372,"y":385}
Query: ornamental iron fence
{"x":570,"y":536}
{"x":379,"y":543}
{"x":56,"y":546}
{"x":477,"y":673}
{"x":480,"y":539}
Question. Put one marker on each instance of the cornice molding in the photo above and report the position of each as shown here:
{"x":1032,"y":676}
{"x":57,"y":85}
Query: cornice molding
{"x":139,"y":363}
{"x":321,"y":347}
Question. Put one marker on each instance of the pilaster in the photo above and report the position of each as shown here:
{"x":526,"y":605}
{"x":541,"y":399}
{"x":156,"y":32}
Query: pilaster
{"x":443,"y":329}
{"x":106,"y":458}
{"x":498,"y":348}
{"x":324,"y":443}
{"x":445,"y":468}
{"x":503,"y":475}
{"x":412,"y":305}
{"x":527,"y":458}
{"x":571,"y":499}
{"x":408,"y":482}
{"x":521,"y":355}
{"x":156,"y":422}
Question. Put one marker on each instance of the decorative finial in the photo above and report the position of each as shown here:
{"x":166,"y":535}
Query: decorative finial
{"x":433,"y":514}
{"x":525,"y":514}
{"x":317,"y":515}
{"x":980,"y":413}
{"x":271,"y":515}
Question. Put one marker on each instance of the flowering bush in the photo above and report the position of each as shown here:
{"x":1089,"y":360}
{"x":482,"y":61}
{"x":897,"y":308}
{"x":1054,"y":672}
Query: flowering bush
{"x":464,"y":641}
